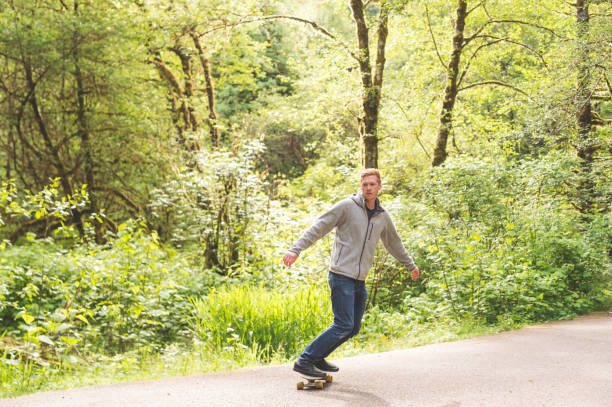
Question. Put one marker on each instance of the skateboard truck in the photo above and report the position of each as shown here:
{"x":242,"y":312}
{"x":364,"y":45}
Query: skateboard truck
{"x":313,"y":382}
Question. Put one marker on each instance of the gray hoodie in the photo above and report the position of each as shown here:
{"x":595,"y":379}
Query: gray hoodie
{"x":356,"y":237}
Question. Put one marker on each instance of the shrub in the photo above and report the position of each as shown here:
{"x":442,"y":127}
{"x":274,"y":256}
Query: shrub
{"x":279,"y":322}
{"x":213,"y":205}
{"x":105,"y":299}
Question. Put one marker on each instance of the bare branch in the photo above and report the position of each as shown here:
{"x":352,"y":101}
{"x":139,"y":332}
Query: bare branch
{"x":123,"y":195}
{"x":484,"y":7}
{"x":474,"y":8}
{"x":469,"y":39}
{"x":433,"y":38}
{"x":541,"y":27}
{"x":519,"y":44}
{"x":493,"y":21}
{"x":313,"y":24}
{"x":416,"y":136}
{"x":498,"y":83}
{"x":469,"y":61}
{"x":563,"y":13}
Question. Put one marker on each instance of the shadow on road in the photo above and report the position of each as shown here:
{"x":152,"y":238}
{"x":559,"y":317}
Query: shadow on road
{"x":351,"y":396}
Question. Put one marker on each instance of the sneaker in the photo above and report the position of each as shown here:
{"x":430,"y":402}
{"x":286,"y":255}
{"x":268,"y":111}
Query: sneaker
{"x":325,"y":366}
{"x":307,"y":369}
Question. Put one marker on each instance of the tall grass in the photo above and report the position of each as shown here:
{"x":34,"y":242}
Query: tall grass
{"x":274,"y":323}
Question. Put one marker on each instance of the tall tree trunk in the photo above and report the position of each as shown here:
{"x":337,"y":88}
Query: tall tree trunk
{"x":57,"y":160}
{"x":84,"y":136}
{"x":450,"y":92}
{"x":586,"y":148}
{"x":175,"y":91}
{"x":584,"y":116}
{"x":371,"y":86}
{"x":190,"y":118}
{"x":10,"y":145}
{"x":210,"y":90}
{"x":178,"y":98}
{"x":297,"y":151}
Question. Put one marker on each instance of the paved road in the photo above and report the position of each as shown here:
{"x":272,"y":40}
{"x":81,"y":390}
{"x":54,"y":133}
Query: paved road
{"x":558,"y":364}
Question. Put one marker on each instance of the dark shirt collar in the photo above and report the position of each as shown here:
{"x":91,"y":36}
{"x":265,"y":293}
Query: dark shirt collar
{"x":360,"y":200}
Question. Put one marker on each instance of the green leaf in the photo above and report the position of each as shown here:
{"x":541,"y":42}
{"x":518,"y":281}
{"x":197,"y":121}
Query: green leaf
{"x":82,"y":318}
{"x":62,"y":327}
{"x":69,"y":358}
{"x":70,"y":341}
{"x":28,"y":318}
{"x":45,"y":339}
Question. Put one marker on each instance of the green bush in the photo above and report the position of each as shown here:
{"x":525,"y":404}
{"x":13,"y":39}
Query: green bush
{"x":499,"y":239}
{"x":213,"y":205}
{"x":108,"y":299}
{"x":44,"y":211}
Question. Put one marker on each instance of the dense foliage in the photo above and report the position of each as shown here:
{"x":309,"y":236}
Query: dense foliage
{"x":158,"y":157}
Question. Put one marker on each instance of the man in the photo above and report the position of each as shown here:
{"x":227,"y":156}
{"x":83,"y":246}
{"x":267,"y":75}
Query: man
{"x":360,"y":222}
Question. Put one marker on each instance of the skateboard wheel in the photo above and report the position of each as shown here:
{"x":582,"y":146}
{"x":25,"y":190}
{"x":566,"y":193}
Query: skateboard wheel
{"x":329,"y":379}
{"x":319,"y":385}
{"x":300,"y":386}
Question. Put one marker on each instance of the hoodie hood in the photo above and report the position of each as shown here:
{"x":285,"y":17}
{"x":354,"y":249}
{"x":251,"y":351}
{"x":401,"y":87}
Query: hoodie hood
{"x":359,"y":199}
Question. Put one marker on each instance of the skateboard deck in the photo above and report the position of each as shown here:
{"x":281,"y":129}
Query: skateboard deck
{"x":313,"y":382}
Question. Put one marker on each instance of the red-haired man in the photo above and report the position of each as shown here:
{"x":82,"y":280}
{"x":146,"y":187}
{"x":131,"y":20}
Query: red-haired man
{"x":360,"y":222}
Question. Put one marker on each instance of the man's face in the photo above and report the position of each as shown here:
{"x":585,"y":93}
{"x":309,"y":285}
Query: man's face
{"x":370,"y":187}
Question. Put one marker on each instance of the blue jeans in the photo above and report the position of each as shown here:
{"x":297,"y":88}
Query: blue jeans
{"x":348,"y":298}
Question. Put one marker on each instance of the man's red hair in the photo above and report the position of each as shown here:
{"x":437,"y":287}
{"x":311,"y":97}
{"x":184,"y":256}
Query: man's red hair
{"x":371,"y":171}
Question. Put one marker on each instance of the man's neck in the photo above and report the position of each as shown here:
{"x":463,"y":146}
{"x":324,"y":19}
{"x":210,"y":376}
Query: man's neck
{"x":370,"y":204}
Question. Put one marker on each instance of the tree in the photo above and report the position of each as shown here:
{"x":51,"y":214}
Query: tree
{"x":587,"y":145}
{"x":175,"y":52}
{"x":450,"y":91}
{"x":74,"y":105}
{"x":371,"y":81}
{"x":207,"y":52}
{"x":210,"y":88}
{"x":485,"y":34}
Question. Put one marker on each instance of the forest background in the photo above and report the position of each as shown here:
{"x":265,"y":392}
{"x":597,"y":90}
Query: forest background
{"x":158,"y":157}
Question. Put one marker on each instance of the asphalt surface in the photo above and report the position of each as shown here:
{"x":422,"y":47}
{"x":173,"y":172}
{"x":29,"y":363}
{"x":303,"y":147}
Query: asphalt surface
{"x":558,"y":364}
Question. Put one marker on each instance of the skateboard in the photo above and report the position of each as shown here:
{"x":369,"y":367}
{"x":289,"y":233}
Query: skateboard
{"x":313,"y":382}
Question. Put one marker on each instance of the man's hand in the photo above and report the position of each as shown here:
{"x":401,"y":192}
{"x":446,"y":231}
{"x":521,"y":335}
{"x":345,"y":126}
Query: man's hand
{"x":289,"y":258}
{"x":415,"y":273}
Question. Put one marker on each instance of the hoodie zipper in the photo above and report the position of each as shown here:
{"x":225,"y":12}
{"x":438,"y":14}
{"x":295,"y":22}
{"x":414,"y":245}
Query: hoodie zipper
{"x":365,"y":239}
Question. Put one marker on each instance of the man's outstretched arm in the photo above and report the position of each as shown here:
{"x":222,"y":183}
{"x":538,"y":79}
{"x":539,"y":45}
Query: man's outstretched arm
{"x":393,"y":243}
{"x":322,"y":226}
